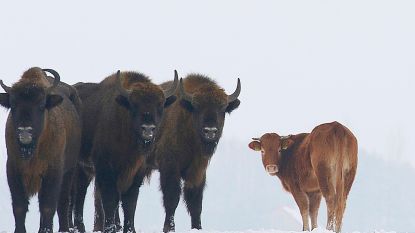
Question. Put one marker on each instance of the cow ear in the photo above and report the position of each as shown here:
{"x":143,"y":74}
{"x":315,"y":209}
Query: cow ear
{"x":187,"y":105}
{"x":53,"y":101}
{"x":233,"y":105}
{"x":123,"y":101}
{"x":255,"y":145}
{"x":170,"y":100}
{"x":286,"y":143}
{"x":4,"y":100}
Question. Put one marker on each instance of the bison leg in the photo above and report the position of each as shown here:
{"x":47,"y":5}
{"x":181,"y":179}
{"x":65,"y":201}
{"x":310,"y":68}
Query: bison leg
{"x":99,"y":211}
{"x":171,"y":189}
{"x":314,"y":199}
{"x":64,"y":199}
{"x":82,"y":181}
{"x":107,"y":187}
{"x":48,"y":199}
{"x":129,"y":204}
{"x":303,"y":204}
{"x":20,"y":201}
{"x":193,"y":196}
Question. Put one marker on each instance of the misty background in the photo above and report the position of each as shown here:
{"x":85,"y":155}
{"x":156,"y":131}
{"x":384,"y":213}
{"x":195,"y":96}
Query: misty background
{"x":301,"y":63}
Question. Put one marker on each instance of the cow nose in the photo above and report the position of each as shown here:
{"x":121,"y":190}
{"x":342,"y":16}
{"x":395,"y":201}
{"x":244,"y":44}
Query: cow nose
{"x":25,"y":135}
{"x":148,"y":131}
{"x":210,"y":132}
{"x":271,"y":169}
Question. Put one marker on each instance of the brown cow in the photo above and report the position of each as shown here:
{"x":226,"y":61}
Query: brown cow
{"x":188,"y":138}
{"x":121,"y":116}
{"x":309,"y":165}
{"x":43,"y":133}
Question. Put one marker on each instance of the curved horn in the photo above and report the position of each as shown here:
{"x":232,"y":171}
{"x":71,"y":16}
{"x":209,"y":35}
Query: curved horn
{"x":56,"y":77}
{"x":184,"y":95}
{"x":5,"y":87}
{"x":124,"y":92}
{"x":256,"y":139}
{"x":236,"y":93}
{"x":169,"y":92}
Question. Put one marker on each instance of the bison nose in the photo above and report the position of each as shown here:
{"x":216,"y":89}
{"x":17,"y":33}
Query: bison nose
{"x":210,"y":132}
{"x":25,"y":135}
{"x":271,"y":169}
{"x":148,"y":131}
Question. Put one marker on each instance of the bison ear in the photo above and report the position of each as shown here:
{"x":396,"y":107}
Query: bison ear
{"x":285,"y":144}
{"x":187,"y":105}
{"x":255,"y":145}
{"x":170,"y":100}
{"x":4,"y":100}
{"x":53,"y":101}
{"x":233,"y":105}
{"x":123,"y":101}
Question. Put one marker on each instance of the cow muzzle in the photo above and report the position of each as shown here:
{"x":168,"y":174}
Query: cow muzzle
{"x":271,"y":169}
{"x":210,"y":133}
{"x":148,"y":131}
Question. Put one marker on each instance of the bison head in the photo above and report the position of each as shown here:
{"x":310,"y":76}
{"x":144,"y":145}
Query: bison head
{"x":271,"y":146}
{"x":208,"y":106}
{"x":28,"y":101}
{"x":145,"y":102}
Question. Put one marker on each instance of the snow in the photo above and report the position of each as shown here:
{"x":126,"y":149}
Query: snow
{"x":317,"y":230}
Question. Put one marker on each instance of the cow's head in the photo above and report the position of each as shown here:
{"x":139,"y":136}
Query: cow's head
{"x":271,"y":146}
{"x":145,"y":102}
{"x":208,"y":106}
{"x":29,"y":100}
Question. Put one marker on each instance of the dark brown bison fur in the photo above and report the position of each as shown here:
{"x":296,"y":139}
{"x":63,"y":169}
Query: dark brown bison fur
{"x":312,"y":165}
{"x":113,"y":140}
{"x":182,"y":152}
{"x":46,"y":165}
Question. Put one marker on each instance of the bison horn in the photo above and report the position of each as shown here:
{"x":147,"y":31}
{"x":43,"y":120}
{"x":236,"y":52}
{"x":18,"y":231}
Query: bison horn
{"x":256,"y":139}
{"x":169,"y":92}
{"x":56,"y":77}
{"x":124,"y":92}
{"x":5,"y":87}
{"x":235,"y":94}
{"x":183,"y":94}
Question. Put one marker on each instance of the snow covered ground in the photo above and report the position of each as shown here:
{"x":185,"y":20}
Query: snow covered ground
{"x":240,"y":196}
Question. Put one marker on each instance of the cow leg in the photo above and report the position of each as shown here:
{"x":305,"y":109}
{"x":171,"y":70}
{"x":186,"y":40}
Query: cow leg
{"x":193,"y":196}
{"x":348,"y":181}
{"x":129,"y":204}
{"x":48,"y":199}
{"x":107,"y":186}
{"x":64,"y":199}
{"x":303,"y":204}
{"x":20,"y":201}
{"x":314,"y":199}
{"x":327,"y":187}
{"x":171,"y":189}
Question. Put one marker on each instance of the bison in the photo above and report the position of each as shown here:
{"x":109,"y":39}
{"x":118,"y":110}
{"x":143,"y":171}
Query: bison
{"x":188,"y":138}
{"x":310,"y":165}
{"x":43,"y":133}
{"x":121,"y":116}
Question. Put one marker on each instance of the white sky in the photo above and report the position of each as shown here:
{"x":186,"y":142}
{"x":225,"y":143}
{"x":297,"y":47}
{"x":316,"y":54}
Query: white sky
{"x":301,"y":63}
